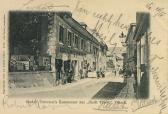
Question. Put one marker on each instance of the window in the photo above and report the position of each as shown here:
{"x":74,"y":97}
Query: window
{"x":29,"y":63}
{"x":79,"y":43}
{"x":61,"y":34}
{"x":69,"y":38}
{"x":95,"y":50}
{"x":83,"y":44}
{"x":90,"y":47}
{"x":76,"y":42}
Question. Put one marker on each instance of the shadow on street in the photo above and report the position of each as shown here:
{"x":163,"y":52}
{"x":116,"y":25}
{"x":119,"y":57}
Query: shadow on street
{"x":109,"y":91}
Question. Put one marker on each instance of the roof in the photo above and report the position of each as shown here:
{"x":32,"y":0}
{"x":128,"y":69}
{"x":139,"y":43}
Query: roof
{"x":77,"y":26}
{"x":116,"y":49}
{"x":130,"y":30}
{"x":100,"y":40}
{"x":143,"y":23}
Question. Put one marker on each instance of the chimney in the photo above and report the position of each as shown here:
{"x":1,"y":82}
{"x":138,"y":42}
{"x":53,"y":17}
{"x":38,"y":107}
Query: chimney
{"x":83,"y":25}
{"x":64,"y":14}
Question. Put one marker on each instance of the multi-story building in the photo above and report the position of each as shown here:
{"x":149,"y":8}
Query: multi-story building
{"x":61,"y":44}
{"x":131,"y":50}
{"x":138,"y":53}
{"x":142,"y":44}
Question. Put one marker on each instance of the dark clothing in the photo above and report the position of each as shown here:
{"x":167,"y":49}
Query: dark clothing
{"x":69,"y":79}
{"x":58,"y":75}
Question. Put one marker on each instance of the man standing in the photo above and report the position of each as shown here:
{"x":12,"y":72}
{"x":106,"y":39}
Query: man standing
{"x":58,"y":72}
{"x":81,"y":73}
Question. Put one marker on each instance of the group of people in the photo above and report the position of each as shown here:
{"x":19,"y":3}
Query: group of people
{"x":83,"y":73}
{"x":64,"y":77}
{"x":64,"y":72}
{"x":100,"y":73}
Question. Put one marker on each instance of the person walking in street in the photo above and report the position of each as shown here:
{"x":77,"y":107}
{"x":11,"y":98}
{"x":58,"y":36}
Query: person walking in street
{"x":81,"y":73}
{"x":115,"y":72}
{"x":63,"y":76}
{"x":132,"y":73}
{"x":102,"y":73}
{"x":58,"y":72}
{"x":98,"y":74}
{"x":69,"y":78}
{"x":58,"y":77}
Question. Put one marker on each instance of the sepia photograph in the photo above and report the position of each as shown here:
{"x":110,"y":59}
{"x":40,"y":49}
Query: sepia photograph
{"x":53,"y":55}
{"x":84,"y":56}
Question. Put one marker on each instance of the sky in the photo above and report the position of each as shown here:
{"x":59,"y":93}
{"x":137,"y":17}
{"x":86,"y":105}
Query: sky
{"x":88,"y":11}
{"x":98,"y":15}
{"x":123,"y":14}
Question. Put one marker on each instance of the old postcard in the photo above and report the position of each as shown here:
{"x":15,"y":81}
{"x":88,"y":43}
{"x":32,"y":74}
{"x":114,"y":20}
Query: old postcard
{"x":84,"y":56}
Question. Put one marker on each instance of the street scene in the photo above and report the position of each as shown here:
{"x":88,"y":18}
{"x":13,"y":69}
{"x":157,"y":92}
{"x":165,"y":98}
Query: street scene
{"x":53,"y":55}
{"x":102,"y":88}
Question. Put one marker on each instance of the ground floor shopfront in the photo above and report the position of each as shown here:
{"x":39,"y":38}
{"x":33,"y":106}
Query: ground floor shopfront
{"x":73,"y":66}
{"x":63,"y":66}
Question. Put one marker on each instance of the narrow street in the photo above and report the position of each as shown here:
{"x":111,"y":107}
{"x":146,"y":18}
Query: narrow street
{"x":103,"y":88}
{"x":64,"y":52}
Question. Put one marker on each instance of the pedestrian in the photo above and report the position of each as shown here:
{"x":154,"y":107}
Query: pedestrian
{"x":98,"y":74}
{"x":132,"y":73}
{"x":63,"y":76}
{"x":115,"y":72}
{"x":58,"y":77}
{"x":102,"y":74}
{"x":69,"y":78}
{"x":81,"y":73}
{"x":58,"y":72}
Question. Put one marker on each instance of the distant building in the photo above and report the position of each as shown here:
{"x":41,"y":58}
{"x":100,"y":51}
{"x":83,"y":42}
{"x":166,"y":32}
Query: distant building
{"x":115,"y":58}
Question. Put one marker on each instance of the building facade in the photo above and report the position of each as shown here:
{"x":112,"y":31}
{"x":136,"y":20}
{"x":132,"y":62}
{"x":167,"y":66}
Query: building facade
{"x":137,"y":55}
{"x":131,"y":51}
{"x":115,"y":59}
{"x":61,"y":45}
{"x":143,"y":46}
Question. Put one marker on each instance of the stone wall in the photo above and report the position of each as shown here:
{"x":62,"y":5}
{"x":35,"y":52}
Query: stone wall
{"x":31,"y":79}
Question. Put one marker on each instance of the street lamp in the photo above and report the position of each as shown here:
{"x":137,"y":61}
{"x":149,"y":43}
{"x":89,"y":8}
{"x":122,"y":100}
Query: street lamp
{"x":122,"y":36}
